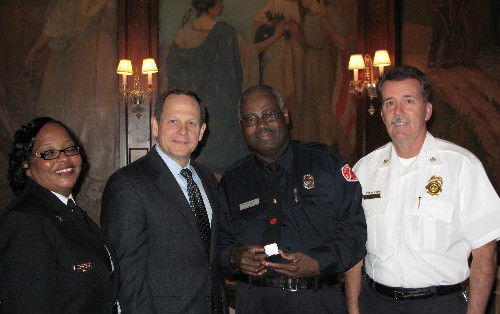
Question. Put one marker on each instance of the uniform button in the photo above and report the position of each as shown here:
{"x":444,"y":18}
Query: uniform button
{"x":284,"y":225}
{"x":207,"y":299}
{"x":288,"y":248}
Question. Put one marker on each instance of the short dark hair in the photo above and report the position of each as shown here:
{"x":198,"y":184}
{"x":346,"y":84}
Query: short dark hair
{"x":260,"y":89}
{"x":403,"y":72}
{"x":22,"y":147}
{"x":202,"y":6}
{"x":179,"y":91}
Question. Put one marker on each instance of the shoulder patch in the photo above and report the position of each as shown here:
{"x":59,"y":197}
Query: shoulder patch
{"x":349,"y":174}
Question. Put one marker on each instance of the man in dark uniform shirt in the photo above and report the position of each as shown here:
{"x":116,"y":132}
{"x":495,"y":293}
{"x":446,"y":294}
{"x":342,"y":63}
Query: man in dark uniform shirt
{"x":301,"y":198}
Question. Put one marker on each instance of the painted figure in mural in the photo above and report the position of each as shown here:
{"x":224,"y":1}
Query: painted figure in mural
{"x":161,"y":215}
{"x":281,"y":64}
{"x":291,"y":216}
{"x":459,"y":29}
{"x":428,"y":205}
{"x":5,"y":120}
{"x":327,"y":112}
{"x":441,"y":33}
{"x":53,"y":257}
{"x":79,"y":81}
{"x":214,"y":60}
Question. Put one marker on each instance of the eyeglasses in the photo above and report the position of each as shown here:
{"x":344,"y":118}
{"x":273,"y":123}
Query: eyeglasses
{"x":54,"y":153}
{"x":267,"y":116}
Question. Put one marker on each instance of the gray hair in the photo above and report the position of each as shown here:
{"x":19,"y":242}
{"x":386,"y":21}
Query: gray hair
{"x":260,"y":89}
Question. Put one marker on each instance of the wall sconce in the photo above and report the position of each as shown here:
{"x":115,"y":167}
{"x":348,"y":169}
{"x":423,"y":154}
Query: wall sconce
{"x":356,"y":63}
{"x":136,"y":95}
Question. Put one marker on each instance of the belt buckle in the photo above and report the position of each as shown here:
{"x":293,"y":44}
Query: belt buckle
{"x":398,"y":294}
{"x":290,"y":284}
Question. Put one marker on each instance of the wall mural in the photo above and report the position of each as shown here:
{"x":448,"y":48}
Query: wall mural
{"x":66,"y":72}
{"x":457,"y":44}
{"x":309,"y":70}
{"x":72,"y":75}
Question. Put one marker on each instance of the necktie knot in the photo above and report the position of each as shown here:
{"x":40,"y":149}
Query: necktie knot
{"x":186,"y":173}
{"x":273,"y":167}
{"x":74,"y":208}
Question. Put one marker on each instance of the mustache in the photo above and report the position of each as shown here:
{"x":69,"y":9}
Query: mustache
{"x":263,"y":131}
{"x":399,"y":120}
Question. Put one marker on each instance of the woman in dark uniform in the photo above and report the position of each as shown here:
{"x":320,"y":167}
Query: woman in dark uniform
{"x":53,"y":257}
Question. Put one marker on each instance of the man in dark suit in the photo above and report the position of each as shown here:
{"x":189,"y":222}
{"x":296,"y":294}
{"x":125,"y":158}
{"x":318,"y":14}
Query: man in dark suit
{"x":156,"y":218}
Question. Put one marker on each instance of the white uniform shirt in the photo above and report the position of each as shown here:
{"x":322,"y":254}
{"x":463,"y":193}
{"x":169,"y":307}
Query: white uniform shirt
{"x":417,"y":238}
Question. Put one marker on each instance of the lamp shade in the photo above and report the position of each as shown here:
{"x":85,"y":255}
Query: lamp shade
{"x":124,"y":67}
{"x":381,"y":58}
{"x":149,"y":66}
{"x":356,"y":62}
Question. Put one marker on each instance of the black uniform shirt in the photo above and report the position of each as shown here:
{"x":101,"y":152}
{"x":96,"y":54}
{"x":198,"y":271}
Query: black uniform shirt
{"x":322,"y":212}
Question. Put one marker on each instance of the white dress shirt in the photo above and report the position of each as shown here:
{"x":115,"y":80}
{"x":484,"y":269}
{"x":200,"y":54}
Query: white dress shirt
{"x":423,"y":220}
{"x":175,"y":168}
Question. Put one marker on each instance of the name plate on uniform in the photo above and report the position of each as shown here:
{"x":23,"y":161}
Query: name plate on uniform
{"x":249,"y":204}
{"x":371,"y":195}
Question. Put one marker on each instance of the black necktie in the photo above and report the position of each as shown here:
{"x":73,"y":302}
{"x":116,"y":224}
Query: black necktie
{"x":272,"y":231}
{"x":75,"y":209}
{"x":198,"y":207}
{"x":78,"y":212}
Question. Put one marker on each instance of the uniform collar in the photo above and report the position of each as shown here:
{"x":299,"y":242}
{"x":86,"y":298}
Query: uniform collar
{"x":428,"y":154}
{"x":63,"y":198}
{"x":285,"y":161}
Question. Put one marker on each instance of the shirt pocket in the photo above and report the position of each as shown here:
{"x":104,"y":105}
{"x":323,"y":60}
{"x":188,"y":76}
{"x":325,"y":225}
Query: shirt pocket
{"x":379,"y":227}
{"x":430,"y":224}
{"x":315,"y":218}
{"x":249,"y":222}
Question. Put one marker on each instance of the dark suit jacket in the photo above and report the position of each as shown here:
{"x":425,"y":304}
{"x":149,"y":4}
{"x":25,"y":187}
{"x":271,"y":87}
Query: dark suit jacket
{"x":163,"y":264}
{"x":51,"y":261}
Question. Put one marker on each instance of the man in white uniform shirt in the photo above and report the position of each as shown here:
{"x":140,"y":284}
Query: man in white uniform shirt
{"x":428,"y":204}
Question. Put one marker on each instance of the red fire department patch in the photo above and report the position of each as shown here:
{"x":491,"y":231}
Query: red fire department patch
{"x":273,"y":221}
{"x":349,"y":174}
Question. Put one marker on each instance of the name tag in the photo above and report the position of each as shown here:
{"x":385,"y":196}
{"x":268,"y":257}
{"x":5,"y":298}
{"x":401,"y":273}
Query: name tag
{"x":249,"y":204}
{"x":84,"y":267}
{"x":371,"y":195}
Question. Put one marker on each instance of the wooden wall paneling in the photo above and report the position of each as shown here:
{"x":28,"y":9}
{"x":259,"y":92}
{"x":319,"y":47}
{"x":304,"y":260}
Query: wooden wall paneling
{"x":376,"y":30}
{"x":138,"y":39}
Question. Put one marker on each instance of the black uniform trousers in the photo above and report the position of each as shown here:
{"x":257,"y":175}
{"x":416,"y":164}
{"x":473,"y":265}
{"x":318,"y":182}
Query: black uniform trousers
{"x":251,"y":299}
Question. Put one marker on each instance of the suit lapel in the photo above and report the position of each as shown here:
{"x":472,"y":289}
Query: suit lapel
{"x":171,"y":191}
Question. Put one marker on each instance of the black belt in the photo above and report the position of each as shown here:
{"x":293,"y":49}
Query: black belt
{"x":412,"y":293}
{"x":287,"y":283}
